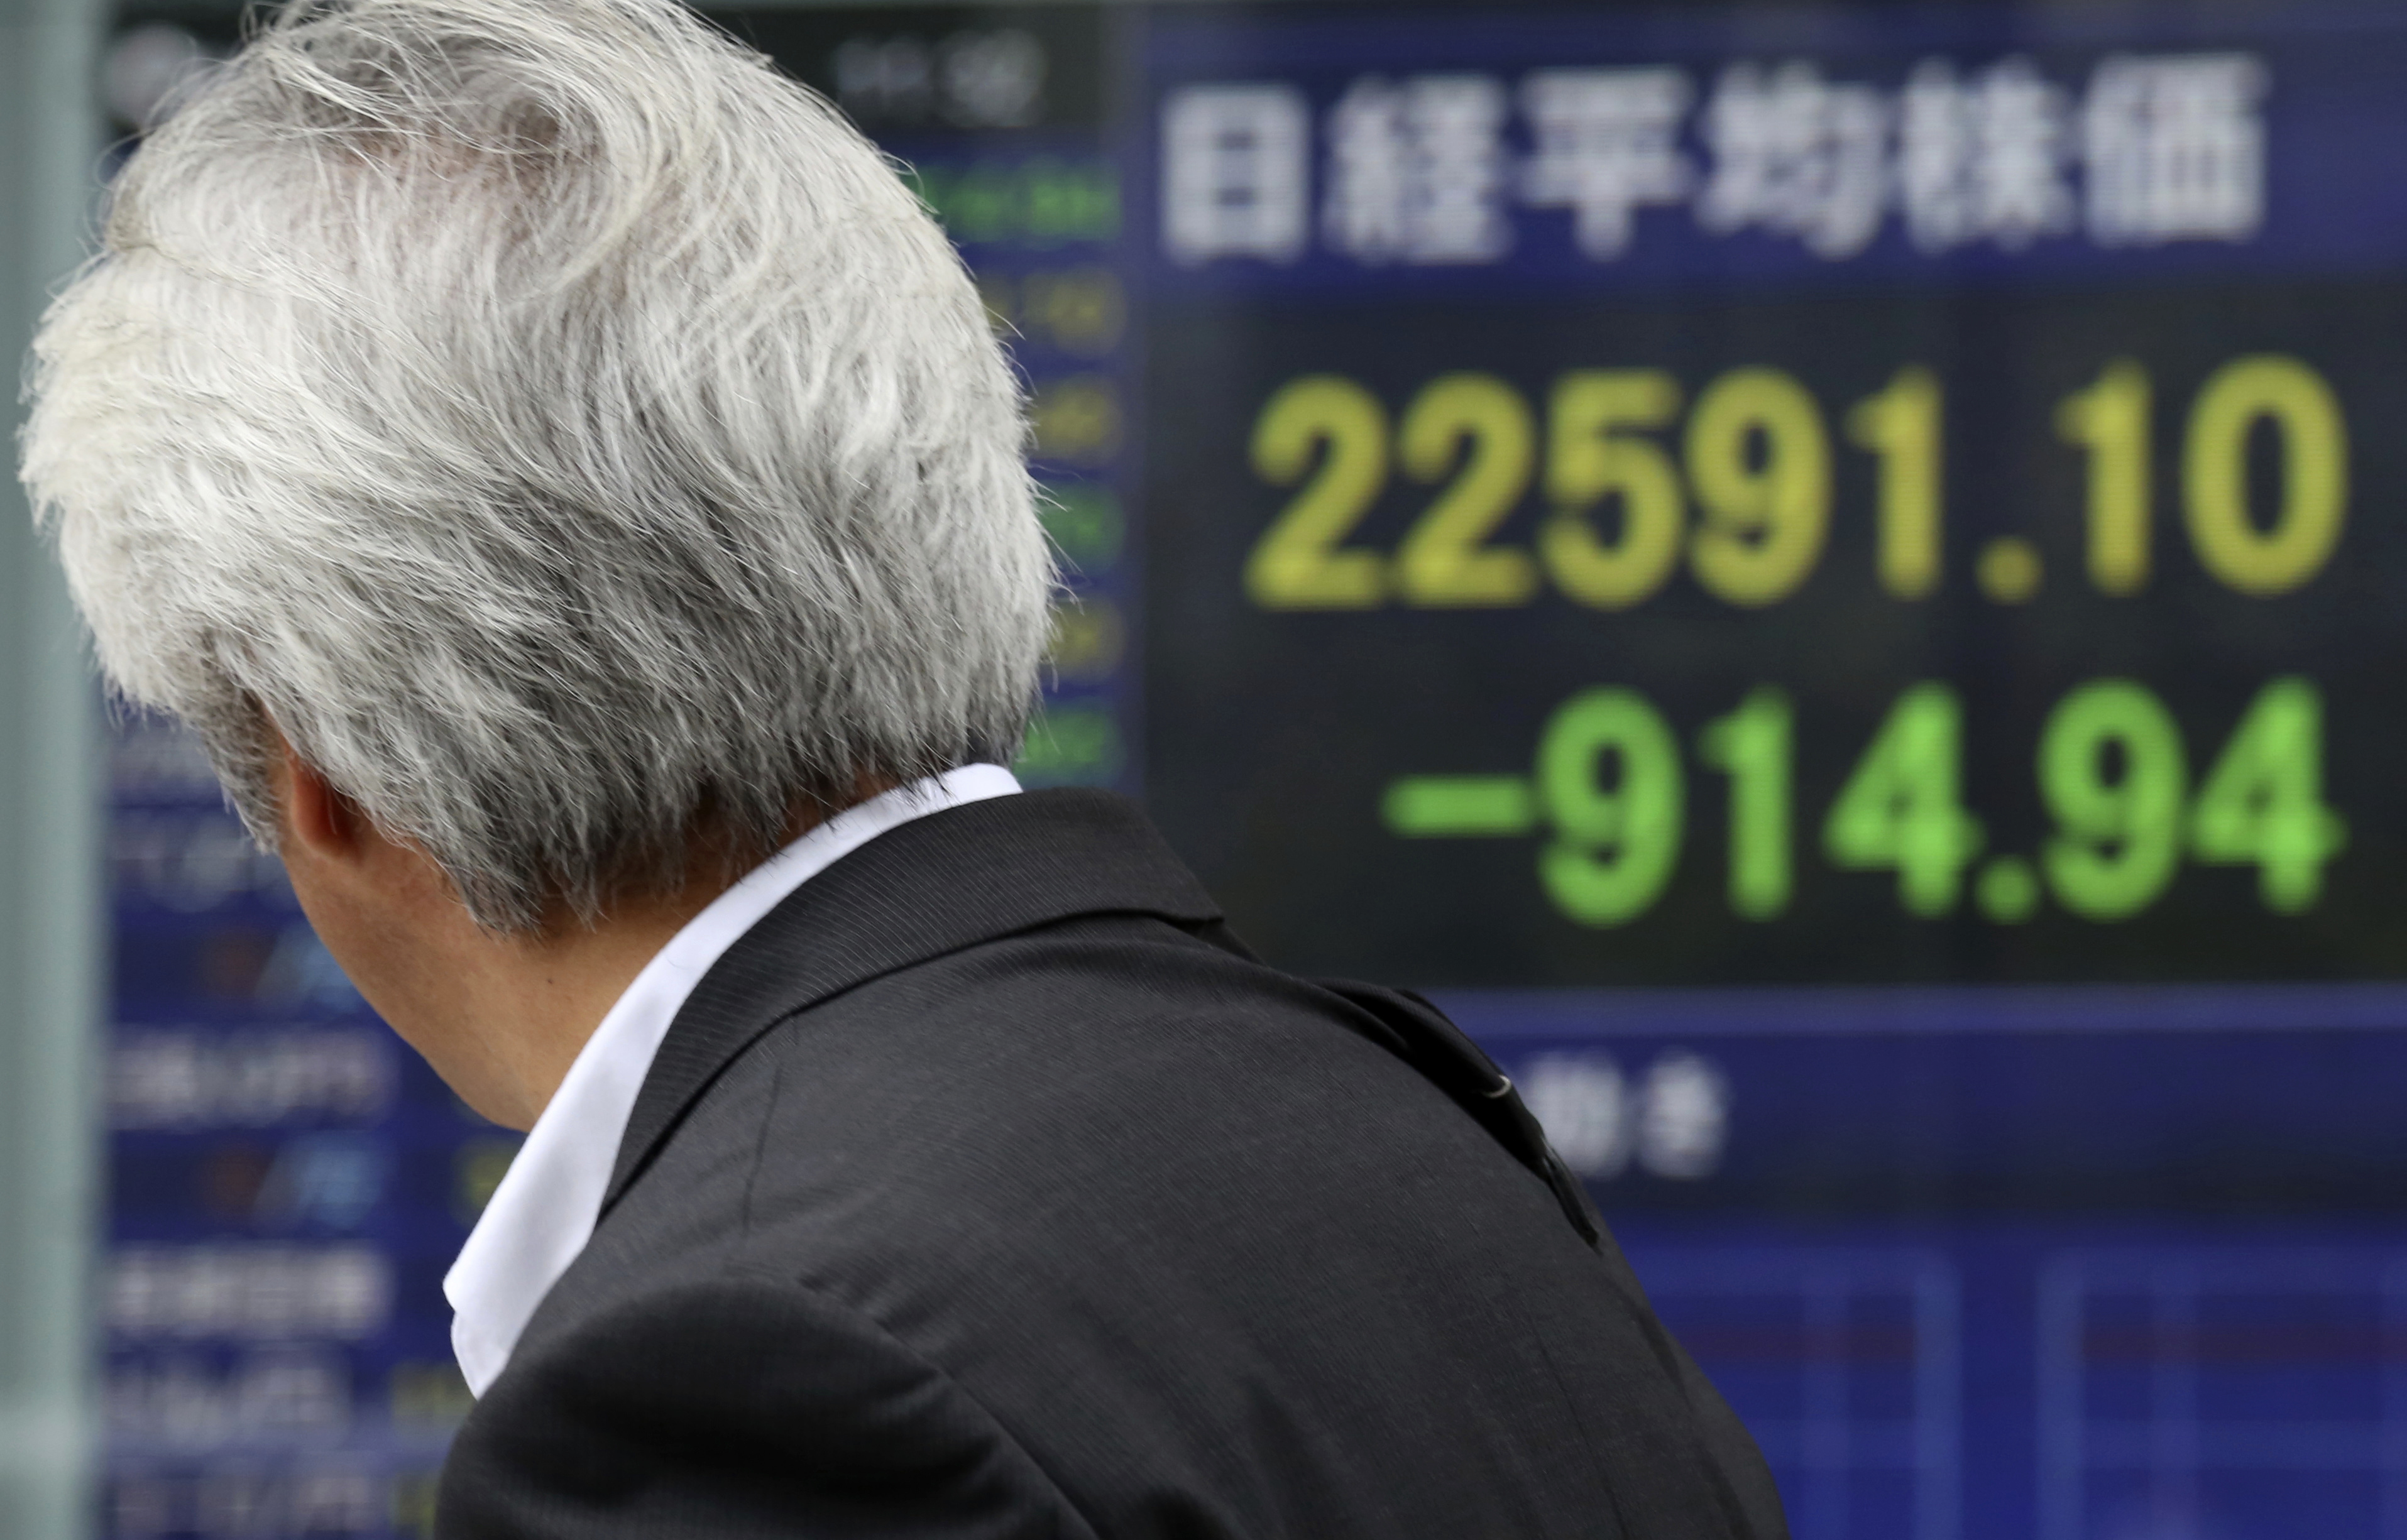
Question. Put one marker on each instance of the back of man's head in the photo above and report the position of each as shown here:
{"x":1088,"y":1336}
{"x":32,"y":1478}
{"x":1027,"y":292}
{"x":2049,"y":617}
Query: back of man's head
{"x":567,"y":431}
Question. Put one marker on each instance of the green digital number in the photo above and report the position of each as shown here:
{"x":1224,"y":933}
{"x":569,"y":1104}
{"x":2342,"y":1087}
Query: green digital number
{"x":2119,"y":840}
{"x":1085,"y":523}
{"x":2262,"y":804}
{"x":1079,"y":746}
{"x":1609,"y":779}
{"x":1902,"y":809}
{"x":1609,"y":795}
{"x":1456,"y":806}
{"x":1753,"y":746}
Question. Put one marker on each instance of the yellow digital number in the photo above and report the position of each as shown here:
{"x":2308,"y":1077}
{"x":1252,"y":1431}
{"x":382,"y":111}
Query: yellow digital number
{"x":2306,"y":528}
{"x":1088,"y":639}
{"x":1082,"y":311}
{"x":477,"y":1168}
{"x":1441,"y":563}
{"x":1298,"y":564}
{"x":428,"y":1395}
{"x":1902,"y":425}
{"x":1594,"y":455}
{"x":2110,"y":420}
{"x":1076,"y":421}
{"x":1759,"y":466}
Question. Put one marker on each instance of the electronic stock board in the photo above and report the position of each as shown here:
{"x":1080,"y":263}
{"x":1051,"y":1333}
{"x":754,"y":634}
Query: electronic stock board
{"x":1829,"y":578}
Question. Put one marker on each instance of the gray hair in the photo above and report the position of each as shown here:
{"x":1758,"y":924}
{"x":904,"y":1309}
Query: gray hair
{"x":571,"y":433}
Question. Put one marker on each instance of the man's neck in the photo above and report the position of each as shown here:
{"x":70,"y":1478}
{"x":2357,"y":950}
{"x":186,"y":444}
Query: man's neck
{"x":557,"y":988}
{"x":501,"y":1018}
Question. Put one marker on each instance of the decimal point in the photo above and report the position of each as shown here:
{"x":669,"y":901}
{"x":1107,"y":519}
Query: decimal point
{"x":2009,"y":569}
{"x":2008,"y":890}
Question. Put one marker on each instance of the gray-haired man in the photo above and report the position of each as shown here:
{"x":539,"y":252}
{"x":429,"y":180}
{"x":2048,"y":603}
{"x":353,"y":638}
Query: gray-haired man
{"x":568,"y":484}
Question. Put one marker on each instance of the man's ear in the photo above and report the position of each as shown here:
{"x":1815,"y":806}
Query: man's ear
{"x":318,"y":817}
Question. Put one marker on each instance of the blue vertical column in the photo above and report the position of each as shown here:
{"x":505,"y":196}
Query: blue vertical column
{"x":1039,"y":223}
{"x":289,"y":1184}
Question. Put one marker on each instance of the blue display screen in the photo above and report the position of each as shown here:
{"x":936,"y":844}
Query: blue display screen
{"x":1821,"y":577}
{"x":1993,"y":1263}
{"x":287,"y":1185}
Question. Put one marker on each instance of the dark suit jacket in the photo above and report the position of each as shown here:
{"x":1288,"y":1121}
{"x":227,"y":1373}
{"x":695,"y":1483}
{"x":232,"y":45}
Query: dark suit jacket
{"x":986,"y":1189}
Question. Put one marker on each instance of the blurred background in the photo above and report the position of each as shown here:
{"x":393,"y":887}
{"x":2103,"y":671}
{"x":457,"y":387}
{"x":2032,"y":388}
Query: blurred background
{"x":1828,"y":577}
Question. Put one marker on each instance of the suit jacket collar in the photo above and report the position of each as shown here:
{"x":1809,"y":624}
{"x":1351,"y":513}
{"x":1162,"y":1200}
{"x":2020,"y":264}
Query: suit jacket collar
{"x":939,"y":883}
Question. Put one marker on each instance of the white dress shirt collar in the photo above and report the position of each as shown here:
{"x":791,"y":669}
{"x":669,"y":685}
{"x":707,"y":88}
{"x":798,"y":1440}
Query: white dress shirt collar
{"x":545,"y":1209}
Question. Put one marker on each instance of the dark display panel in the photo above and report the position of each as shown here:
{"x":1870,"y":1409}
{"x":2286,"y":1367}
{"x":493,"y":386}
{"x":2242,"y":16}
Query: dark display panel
{"x":1823,"y":574}
{"x":1712,"y":498}
{"x":1668,"y":718}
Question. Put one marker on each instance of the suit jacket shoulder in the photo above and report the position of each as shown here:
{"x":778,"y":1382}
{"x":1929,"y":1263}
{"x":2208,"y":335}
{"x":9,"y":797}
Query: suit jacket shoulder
{"x":979,"y":1184}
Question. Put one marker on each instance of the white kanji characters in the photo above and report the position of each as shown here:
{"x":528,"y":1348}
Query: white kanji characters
{"x":1984,"y":159}
{"x":2170,"y":148}
{"x":1684,"y":1120}
{"x":2175,"y":148}
{"x":1457,"y":123}
{"x":2018,"y":174}
{"x":1417,"y":171}
{"x":1936,"y":135}
{"x":1607,"y":144}
{"x":1797,"y":155}
{"x":1235,"y":162}
{"x":1586,"y":1107}
{"x":1369,"y":173}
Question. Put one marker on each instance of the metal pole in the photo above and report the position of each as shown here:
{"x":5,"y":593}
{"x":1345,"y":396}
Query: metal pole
{"x":50,"y":797}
